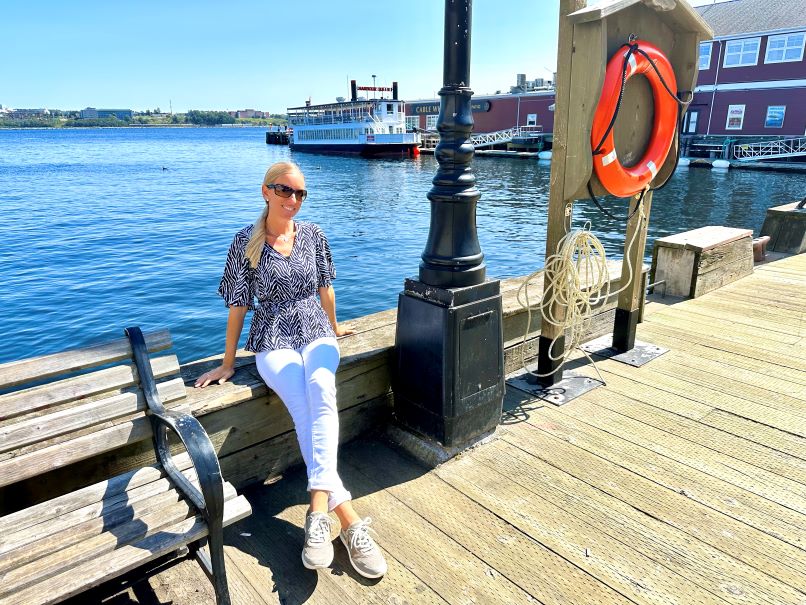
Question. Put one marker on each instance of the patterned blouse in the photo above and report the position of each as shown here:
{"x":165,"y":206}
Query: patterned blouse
{"x":288,"y":314}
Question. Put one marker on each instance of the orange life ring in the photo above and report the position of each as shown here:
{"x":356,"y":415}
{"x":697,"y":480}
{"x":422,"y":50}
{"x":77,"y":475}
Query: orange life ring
{"x":624,"y":181}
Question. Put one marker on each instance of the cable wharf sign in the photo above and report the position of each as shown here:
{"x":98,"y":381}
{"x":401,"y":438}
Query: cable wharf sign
{"x":431,"y":108}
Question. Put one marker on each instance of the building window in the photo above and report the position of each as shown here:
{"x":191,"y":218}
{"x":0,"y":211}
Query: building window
{"x":735,"y":119}
{"x":690,"y":121}
{"x":531,"y":119}
{"x":705,"y":55}
{"x":431,"y":121}
{"x":785,"y":48}
{"x":741,"y":53}
{"x":775,"y":116}
{"x":412,"y":122}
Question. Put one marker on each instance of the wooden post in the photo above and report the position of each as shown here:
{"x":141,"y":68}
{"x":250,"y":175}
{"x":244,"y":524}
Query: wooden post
{"x":629,"y":300}
{"x":551,"y":341}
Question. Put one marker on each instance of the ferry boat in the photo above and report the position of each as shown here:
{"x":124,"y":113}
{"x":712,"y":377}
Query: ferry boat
{"x":374,"y":127}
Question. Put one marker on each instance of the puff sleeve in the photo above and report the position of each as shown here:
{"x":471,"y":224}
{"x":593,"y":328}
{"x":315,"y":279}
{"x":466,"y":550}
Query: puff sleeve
{"x":237,"y":286}
{"x":325,"y":270}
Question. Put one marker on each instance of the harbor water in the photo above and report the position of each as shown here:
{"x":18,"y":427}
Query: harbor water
{"x":105,"y":228}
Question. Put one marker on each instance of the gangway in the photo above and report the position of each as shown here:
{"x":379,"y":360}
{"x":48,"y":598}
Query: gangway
{"x":770,"y":150}
{"x":483,"y":139}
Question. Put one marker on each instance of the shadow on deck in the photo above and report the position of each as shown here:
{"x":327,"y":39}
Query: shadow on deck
{"x":683,"y":481}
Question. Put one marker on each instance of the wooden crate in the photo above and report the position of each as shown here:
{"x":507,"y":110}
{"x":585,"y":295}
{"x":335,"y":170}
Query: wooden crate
{"x":699,"y":261}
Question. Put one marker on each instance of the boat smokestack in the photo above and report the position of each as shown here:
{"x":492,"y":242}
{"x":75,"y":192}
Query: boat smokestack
{"x":394,"y":90}
{"x":353,"y":91}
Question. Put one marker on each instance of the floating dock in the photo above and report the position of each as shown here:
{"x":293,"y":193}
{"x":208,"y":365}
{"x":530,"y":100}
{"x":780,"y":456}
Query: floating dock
{"x":683,"y":481}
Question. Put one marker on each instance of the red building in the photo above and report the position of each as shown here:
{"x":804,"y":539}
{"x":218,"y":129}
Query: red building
{"x":492,"y":112}
{"x":752,"y":79}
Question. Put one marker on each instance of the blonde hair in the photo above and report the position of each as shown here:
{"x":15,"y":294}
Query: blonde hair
{"x":255,"y":246}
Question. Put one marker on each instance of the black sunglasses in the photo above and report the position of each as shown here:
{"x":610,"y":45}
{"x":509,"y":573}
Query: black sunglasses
{"x":286,"y":191}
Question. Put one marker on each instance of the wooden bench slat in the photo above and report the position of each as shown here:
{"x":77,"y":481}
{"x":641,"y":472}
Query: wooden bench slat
{"x":172,"y":394}
{"x":109,"y":380}
{"x":32,"y":530}
{"x":39,"y":368}
{"x":56,"y":507}
{"x":104,"y":521}
{"x":98,"y":547}
{"x":41,"y":428}
{"x":58,"y":455}
{"x":124,"y":559}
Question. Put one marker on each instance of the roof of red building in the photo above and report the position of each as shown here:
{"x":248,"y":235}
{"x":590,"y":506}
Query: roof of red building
{"x":749,"y":16}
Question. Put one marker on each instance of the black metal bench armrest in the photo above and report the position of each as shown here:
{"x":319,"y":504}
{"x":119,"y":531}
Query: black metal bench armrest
{"x":210,"y":499}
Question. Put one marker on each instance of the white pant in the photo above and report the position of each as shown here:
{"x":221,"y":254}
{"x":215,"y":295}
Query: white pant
{"x":305,"y":379}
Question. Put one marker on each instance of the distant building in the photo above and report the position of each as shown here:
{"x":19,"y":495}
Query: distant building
{"x":247,"y":113}
{"x":752,"y":78}
{"x":25,"y":114}
{"x":90,"y":113}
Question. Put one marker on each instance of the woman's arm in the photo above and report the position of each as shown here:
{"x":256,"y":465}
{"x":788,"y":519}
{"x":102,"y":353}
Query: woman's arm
{"x":327,"y":296}
{"x":227,"y":368}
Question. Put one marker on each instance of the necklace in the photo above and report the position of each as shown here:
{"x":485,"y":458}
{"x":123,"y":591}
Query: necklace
{"x":282,"y":237}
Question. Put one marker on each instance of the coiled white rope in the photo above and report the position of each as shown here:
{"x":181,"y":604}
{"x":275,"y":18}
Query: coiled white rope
{"x":578,"y":280}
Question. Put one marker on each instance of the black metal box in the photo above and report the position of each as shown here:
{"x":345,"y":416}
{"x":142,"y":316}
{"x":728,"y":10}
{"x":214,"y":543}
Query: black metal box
{"x":449,"y":374}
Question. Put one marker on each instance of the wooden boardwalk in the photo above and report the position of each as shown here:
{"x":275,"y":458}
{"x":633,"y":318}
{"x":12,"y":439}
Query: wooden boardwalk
{"x":682,"y":482}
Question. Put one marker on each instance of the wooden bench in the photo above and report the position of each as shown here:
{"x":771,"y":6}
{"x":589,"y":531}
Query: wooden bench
{"x":698,"y":261}
{"x":62,"y":408}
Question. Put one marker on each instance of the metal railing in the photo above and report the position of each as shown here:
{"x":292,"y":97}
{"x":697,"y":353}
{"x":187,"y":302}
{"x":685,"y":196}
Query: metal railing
{"x":485,"y":139}
{"x":768,"y":150}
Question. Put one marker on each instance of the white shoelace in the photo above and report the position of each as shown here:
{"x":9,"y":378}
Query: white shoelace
{"x":360,"y":538}
{"x":319,"y":531}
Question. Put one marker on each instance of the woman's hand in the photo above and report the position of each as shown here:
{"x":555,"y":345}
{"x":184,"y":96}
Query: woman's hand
{"x":343,"y":331}
{"x":220,"y":374}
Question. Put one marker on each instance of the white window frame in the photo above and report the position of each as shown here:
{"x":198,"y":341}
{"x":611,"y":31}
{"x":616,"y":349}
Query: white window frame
{"x":741,"y":41}
{"x":431,"y":121}
{"x":531,"y":119}
{"x":767,"y":116}
{"x":412,"y":122}
{"x":741,"y":121}
{"x":702,"y":55}
{"x":785,"y":37}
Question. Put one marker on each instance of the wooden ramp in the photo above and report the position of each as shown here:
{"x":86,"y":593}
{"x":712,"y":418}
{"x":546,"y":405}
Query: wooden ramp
{"x":681,"y":482}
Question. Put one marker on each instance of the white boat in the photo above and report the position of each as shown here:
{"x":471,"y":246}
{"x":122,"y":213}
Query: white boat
{"x":370,"y":127}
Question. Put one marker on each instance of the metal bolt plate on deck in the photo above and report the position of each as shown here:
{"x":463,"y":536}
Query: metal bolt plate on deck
{"x":569,"y":388}
{"x":641,"y":353}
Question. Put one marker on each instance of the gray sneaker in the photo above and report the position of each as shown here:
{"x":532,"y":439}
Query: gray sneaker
{"x":317,"y":553}
{"x":365,"y":555}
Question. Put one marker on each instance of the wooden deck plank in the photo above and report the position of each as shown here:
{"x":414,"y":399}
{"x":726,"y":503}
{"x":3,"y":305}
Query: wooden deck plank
{"x":791,"y":445}
{"x":715,"y":398}
{"x":756,"y":454}
{"x":694,"y":352}
{"x":706,"y":565}
{"x":740,"y":504}
{"x":754,"y":548}
{"x":448,"y":568}
{"x":688,"y":321}
{"x":481,"y":531}
{"x":778,"y":489}
{"x":713,"y":309}
{"x":271,"y":542}
{"x":743,"y":384}
{"x":639,"y":575}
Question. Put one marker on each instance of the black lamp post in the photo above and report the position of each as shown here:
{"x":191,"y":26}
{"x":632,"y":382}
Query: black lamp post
{"x":449,"y":348}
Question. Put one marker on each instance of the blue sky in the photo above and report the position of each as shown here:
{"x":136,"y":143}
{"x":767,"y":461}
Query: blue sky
{"x":263,"y":55}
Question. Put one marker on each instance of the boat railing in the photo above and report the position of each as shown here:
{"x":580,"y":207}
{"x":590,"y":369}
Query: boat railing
{"x":430,"y":139}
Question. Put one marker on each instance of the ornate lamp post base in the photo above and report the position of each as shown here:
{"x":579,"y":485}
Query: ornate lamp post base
{"x":449,"y":382}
